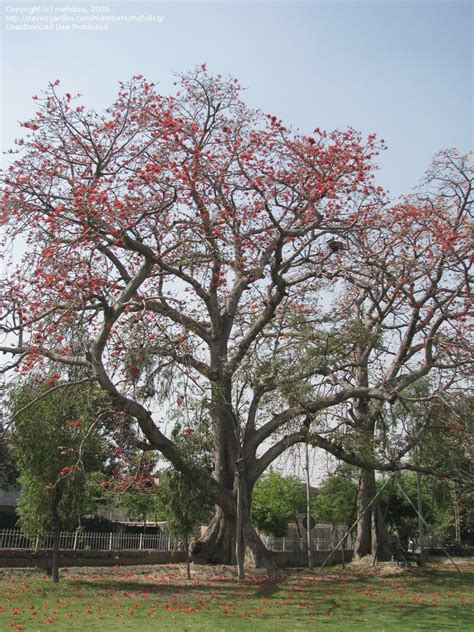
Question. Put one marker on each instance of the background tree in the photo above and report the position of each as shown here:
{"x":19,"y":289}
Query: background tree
{"x":336,"y":501}
{"x":59,"y":454}
{"x":8,"y":476}
{"x":277,"y":499}
{"x":8,"y":468}
{"x":141,"y":504}
{"x":440,"y":505}
{"x":448,"y":438}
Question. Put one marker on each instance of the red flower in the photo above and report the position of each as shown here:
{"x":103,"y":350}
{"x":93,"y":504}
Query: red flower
{"x":67,"y":469}
{"x":74,"y":423}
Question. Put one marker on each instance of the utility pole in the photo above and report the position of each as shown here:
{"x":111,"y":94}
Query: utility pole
{"x":457,"y":515}
{"x":420,"y":520}
{"x":239,"y":536}
{"x":239,"y":544}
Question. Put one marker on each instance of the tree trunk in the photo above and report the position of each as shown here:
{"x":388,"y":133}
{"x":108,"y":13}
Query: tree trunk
{"x":421,"y":527}
{"x":380,"y":539}
{"x":188,"y":564}
{"x":55,"y":556}
{"x":363,"y":543}
{"x":56,"y":520}
{"x":372,"y":536}
{"x":217,"y":545}
{"x":256,"y":553}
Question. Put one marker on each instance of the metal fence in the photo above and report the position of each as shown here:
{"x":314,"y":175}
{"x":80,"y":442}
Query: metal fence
{"x":163,"y":541}
{"x":77,"y":540}
{"x":300,"y":544}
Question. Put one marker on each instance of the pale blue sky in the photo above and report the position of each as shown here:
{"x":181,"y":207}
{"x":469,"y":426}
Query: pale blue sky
{"x":401,"y":69}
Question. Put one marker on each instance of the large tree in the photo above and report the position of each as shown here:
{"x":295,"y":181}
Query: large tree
{"x":177,"y":234}
{"x":171,"y":231}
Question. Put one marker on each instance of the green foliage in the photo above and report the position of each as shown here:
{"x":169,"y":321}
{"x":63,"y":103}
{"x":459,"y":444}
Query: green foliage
{"x":183,"y":506}
{"x":142,"y":504}
{"x":439,"y":498}
{"x":336,"y":500}
{"x":400,"y":516}
{"x":56,"y":447}
{"x":180,"y":502}
{"x":465,"y":500}
{"x":275,"y":502}
{"x":295,"y":392}
{"x":357,"y":333}
{"x":335,"y":503}
{"x":327,"y":347}
{"x":450,"y":438}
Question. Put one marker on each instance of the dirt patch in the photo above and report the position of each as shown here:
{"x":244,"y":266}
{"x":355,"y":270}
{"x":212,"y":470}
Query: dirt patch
{"x":464,"y":563}
{"x":383,"y":569}
{"x":365,"y":565}
{"x":20,"y":573}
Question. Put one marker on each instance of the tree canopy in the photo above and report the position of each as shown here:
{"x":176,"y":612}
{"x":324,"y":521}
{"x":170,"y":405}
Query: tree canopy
{"x":276,"y":502}
{"x":58,"y":451}
{"x":336,"y":501}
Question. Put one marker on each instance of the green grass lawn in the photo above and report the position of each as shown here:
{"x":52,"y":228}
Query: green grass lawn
{"x":160,"y":598}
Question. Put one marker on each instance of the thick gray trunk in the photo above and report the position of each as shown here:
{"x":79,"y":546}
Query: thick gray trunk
{"x":372,"y":536}
{"x":217,"y":545}
{"x":380,"y":539}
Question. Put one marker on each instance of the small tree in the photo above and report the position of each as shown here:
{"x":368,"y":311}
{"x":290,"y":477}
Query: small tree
{"x":276,"y":501}
{"x":57,"y":449}
{"x":181,"y":503}
{"x":184,"y":507}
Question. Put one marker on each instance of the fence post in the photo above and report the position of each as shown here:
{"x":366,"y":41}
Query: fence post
{"x":110,"y":541}
{"x":284,"y":544}
{"x":140,"y":544}
{"x":169,"y":543}
{"x":37,"y":542}
{"x":74,"y":546}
